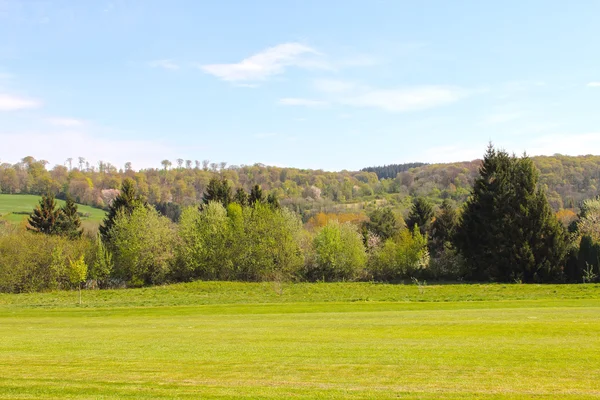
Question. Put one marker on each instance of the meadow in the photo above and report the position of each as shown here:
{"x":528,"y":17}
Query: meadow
{"x":306,"y":340}
{"x":17,"y":207}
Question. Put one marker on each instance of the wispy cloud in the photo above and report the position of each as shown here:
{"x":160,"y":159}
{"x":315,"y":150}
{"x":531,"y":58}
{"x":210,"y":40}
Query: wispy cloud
{"x":269,"y":62}
{"x":294,"y":101}
{"x":66,"y":122}
{"x":406,"y":99}
{"x":165,"y":64}
{"x":333,"y":85}
{"x":14,"y":103}
{"x":594,"y":84}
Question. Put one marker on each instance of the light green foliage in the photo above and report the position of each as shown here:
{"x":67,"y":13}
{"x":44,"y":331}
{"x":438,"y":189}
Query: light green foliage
{"x":339,"y":253}
{"x":589,"y":220}
{"x":314,"y":341}
{"x":401,"y":257}
{"x":142,"y":244}
{"x":103,"y":263}
{"x":78,"y":272}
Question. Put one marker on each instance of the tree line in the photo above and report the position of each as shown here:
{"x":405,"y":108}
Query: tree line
{"x":505,"y":232}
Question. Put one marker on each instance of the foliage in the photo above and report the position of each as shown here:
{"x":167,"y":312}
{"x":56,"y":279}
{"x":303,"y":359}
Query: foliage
{"x":383,"y":223}
{"x":142,"y":244}
{"x":401,"y":257}
{"x":68,"y":222}
{"x":507,"y":230}
{"x":102,"y":267}
{"x":339,"y":253}
{"x":125,"y":203}
{"x":421,"y":215}
{"x":218,"y":190}
{"x":45,"y":217}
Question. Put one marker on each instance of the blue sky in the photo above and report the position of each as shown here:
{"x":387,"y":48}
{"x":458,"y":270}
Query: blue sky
{"x":334,"y":84}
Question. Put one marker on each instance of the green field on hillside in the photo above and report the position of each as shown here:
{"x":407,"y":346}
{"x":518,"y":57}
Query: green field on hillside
{"x":271,"y":340}
{"x":12,"y":207}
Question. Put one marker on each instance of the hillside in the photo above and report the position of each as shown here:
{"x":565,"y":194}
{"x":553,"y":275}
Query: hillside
{"x":567,"y":179}
{"x":17,"y":207}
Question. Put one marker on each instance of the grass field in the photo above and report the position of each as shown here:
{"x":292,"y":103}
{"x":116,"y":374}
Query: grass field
{"x":346,"y":340}
{"x":10,"y":204}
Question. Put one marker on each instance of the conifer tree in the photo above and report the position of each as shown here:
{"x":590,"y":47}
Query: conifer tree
{"x":383,"y":223}
{"x":45,"y":216}
{"x":241,"y":197}
{"x":508,"y":231}
{"x":69,"y":223}
{"x":218,"y":190}
{"x":272,"y":200}
{"x":421,"y":214}
{"x":256,"y":195}
{"x":444,"y":226}
{"x":126,"y":202}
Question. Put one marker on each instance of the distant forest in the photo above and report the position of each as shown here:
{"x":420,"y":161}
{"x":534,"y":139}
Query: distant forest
{"x":567,"y":181}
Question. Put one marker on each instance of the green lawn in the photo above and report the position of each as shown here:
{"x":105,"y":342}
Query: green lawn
{"x":16,"y":203}
{"x":346,"y":340}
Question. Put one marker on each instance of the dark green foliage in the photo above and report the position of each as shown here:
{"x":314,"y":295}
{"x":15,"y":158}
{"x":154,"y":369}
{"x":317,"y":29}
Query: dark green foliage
{"x":443,"y":228}
{"x":383,"y":223}
{"x":390,"y":171}
{"x":125,"y":202}
{"x":218,"y":190}
{"x":170,"y":210}
{"x":421,"y":214}
{"x":45,"y":217}
{"x":69,"y":223}
{"x":241,"y":197}
{"x":508,"y":231}
{"x":256,"y":195}
{"x":272,"y":200}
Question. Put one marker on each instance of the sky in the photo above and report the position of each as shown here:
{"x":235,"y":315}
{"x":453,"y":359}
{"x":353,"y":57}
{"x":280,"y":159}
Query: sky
{"x":336,"y":84}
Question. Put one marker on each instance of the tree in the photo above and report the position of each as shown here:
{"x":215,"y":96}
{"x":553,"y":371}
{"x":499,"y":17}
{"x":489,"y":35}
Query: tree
{"x":125,"y":202}
{"x":339,"y":253}
{"x":45,"y":216}
{"x":383,"y":223}
{"x":401,"y":256}
{"x":272,"y":200}
{"x":241,"y":197}
{"x":507,"y":231}
{"x":103,"y":263}
{"x":218,"y":190}
{"x":78,"y":273}
{"x":421,"y":214}
{"x":256,"y":195}
{"x":68,"y":223}
{"x":444,"y":226}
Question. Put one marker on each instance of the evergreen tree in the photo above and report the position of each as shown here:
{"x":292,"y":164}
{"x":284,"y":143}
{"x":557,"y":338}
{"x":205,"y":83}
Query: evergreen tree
{"x":241,"y":197}
{"x":45,"y":216}
{"x":272,"y":200}
{"x":508,"y":231}
{"x":421,"y":215}
{"x":383,"y":223}
{"x":256,"y":195}
{"x":126,"y":202}
{"x":444,"y":226}
{"x":69,"y":223}
{"x":218,"y":190}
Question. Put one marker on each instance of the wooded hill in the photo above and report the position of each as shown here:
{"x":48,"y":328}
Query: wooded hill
{"x":568,"y":180}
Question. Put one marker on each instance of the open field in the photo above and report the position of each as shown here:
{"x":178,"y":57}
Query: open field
{"x":12,"y":205}
{"x":346,"y":340}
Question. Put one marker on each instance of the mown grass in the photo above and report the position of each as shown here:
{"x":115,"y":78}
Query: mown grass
{"x":267,"y":340}
{"x":13,"y":207}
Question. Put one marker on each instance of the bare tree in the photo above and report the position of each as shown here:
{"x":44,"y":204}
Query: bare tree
{"x":166,"y":164}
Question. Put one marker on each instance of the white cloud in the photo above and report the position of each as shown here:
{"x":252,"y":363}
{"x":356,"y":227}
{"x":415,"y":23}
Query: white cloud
{"x":165,"y":64}
{"x":293,"y":101}
{"x":13,"y":103}
{"x":66,"y":122}
{"x":407,"y":99}
{"x":271,"y":61}
{"x":594,"y":84}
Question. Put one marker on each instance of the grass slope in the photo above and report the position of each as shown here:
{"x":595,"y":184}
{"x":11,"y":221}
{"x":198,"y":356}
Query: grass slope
{"x":16,"y":203}
{"x":347,"y":340}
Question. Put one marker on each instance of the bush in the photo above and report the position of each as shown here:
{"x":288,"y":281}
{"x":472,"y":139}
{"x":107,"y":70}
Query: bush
{"x":403,"y":256}
{"x":338,"y":254}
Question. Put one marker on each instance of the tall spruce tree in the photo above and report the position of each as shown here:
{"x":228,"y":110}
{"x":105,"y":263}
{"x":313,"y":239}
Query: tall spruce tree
{"x":444,"y":227}
{"x":256,"y":195}
{"x":126,"y":202}
{"x":45,"y":216}
{"x":383,"y":223}
{"x":421,"y":214}
{"x":69,"y":223}
{"x":241,"y":197}
{"x":508,"y":231}
{"x":218,"y":190}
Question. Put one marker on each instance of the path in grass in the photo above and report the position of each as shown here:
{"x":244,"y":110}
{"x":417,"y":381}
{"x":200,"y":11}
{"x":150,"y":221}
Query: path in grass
{"x":236,"y":340}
